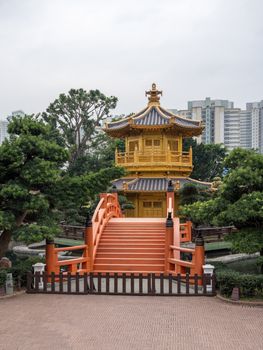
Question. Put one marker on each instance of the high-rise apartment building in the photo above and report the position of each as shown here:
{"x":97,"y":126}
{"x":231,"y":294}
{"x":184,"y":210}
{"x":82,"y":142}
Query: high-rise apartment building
{"x":228,"y":125}
{"x":4,"y":125}
{"x":3,"y":130}
{"x":256,"y":112}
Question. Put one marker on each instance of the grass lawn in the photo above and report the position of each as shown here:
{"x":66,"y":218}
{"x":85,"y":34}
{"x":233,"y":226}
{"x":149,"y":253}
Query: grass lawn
{"x":217,"y":246}
{"x":68,"y":242}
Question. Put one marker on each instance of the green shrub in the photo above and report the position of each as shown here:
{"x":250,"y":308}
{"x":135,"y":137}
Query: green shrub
{"x":21,"y":266}
{"x":249,"y":285}
{"x":2,"y":278}
{"x":259,"y":263}
{"x":219,"y":266}
{"x":226,"y":281}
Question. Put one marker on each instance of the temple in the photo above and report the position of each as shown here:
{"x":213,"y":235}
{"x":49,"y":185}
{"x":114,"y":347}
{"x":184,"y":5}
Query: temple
{"x":153,"y":156}
{"x":150,"y":237}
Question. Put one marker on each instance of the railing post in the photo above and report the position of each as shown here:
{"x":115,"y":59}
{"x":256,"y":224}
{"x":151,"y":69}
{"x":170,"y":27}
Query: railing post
{"x":89,"y":241}
{"x":209,"y":271}
{"x":199,"y":255}
{"x":170,"y":198}
{"x":51,"y":257}
{"x":115,"y":194}
{"x":189,"y":231}
{"x":168,"y":240}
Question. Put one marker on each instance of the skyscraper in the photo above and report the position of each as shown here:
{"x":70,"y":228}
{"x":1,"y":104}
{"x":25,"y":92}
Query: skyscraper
{"x":3,"y":130}
{"x":4,"y":125}
{"x":225,"y":124}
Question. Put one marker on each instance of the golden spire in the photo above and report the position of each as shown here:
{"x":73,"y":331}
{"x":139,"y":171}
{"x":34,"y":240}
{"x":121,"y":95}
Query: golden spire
{"x":154,"y":98}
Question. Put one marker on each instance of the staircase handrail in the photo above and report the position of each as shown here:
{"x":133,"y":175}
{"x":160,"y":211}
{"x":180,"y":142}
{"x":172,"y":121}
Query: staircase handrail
{"x":107,"y":208}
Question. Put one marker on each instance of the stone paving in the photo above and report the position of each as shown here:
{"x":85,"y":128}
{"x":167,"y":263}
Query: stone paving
{"x":120,"y":322}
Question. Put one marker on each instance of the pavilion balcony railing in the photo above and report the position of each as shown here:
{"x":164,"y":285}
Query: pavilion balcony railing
{"x":137,"y":158}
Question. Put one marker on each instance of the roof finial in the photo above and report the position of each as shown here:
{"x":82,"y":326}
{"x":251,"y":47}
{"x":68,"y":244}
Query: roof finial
{"x":153,"y":95}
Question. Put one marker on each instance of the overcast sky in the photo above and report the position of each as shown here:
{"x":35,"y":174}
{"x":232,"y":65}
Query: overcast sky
{"x":191,"y":49}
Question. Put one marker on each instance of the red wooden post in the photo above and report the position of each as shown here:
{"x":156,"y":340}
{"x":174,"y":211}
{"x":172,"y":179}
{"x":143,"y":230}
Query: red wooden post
{"x":85,"y":265}
{"x":199,"y":255}
{"x":170,"y":198}
{"x":89,"y":240}
{"x":189,"y":231}
{"x":168,"y":240}
{"x":51,"y":258}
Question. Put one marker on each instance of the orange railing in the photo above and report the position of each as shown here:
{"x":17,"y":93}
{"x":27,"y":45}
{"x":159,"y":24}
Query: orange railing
{"x":53,"y":264}
{"x":180,"y":265}
{"x":107,"y":208}
{"x":186,"y":231}
{"x":175,"y":262}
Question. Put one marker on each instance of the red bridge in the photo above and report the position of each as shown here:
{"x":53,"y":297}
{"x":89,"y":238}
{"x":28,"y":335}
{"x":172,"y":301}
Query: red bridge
{"x":114,"y":243}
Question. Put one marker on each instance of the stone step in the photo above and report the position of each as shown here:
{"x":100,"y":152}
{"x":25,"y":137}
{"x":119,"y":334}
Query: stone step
{"x":128,"y":267}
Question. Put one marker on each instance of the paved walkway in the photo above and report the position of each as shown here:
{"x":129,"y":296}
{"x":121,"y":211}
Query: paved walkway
{"x":29,"y":322}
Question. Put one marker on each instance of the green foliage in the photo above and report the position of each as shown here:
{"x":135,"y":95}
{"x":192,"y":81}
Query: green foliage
{"x":245,"y":212}
{"x":101,"y":155}
{"x":249,"y":285}
{"x":30,"y":164}
{"x":238,"y":202}
{"x":20,"y":267}
{"x":53,"y":165}
{"x":259,"y":263}
{"x":191,"y":193}
{"x":71,"y":195}
{"x":125,"y":203}
{"x":200,"y":212}
{"x":74,"y":118}
{"x":207,"y":160}
{"x":2,"y":278}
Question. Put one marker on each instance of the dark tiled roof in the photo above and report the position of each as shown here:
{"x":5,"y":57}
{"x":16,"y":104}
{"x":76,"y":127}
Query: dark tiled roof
{"x":179,"y":120}
{"x":153,"y":184}
{"x":119,"y":124}
{"x":151,"y":118}
{"x":149,"y":185}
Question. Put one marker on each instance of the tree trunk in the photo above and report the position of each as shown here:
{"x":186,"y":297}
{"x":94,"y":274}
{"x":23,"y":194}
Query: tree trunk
{"x":5,"y":239}
{"x":6,"y":235}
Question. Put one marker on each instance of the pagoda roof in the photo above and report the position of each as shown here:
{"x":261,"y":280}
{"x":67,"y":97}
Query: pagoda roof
{"x":154,"y":117}
{"x":155,"y":184}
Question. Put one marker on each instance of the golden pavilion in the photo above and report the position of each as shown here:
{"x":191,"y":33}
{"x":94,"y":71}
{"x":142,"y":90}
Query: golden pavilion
{"x":153,"y":156}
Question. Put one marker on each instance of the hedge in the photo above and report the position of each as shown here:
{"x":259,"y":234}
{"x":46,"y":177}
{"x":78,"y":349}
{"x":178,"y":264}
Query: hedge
{"x":19,"y":269}
{"x":21,"y":266}
{"x":2,"y":278}
{"x":249,"y":285}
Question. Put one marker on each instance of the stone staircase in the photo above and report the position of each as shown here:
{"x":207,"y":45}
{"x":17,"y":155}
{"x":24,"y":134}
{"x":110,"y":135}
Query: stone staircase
{"x":132,"y":245}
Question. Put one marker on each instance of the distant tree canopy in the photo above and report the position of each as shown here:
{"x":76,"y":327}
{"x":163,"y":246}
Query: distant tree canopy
{"x":76,"y":116}
{"x":207,"y":160}
{"x":36,"y":190}
{"x":239,"y":201}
